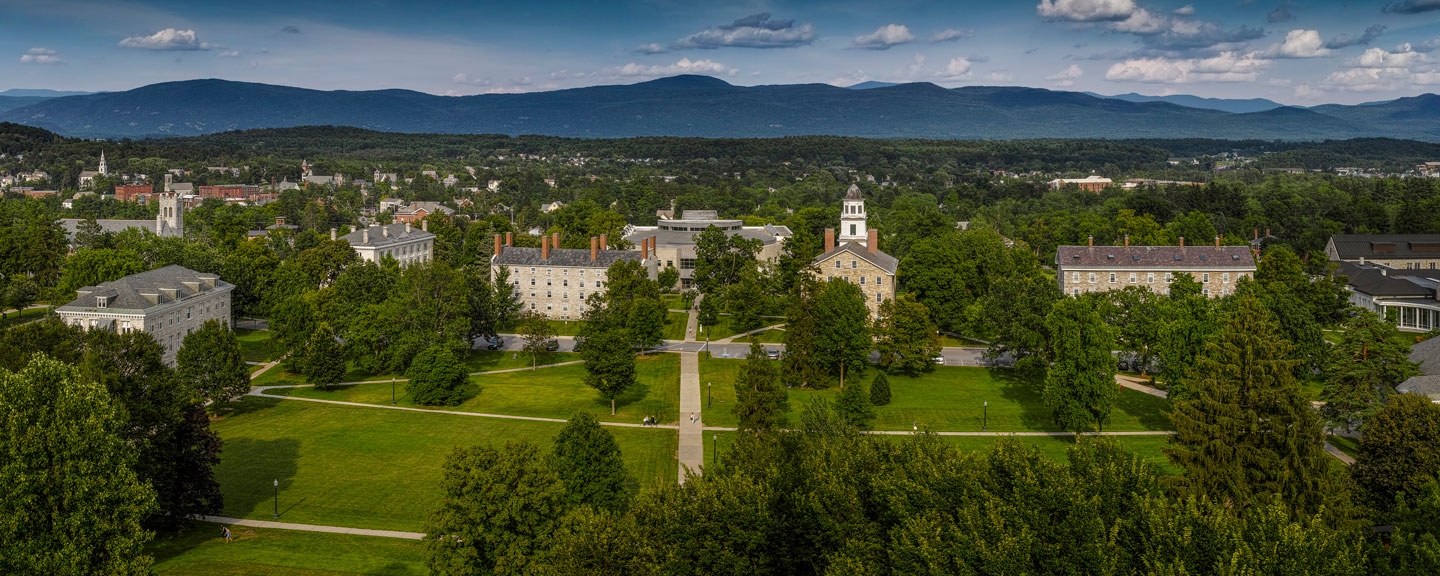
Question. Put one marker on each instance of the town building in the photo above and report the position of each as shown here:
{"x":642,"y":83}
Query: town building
{"x":134,"y":193}
{"x":556,"y":282}
{"x":857,"y":258}
{"x":1407,"y":298}
{"x":674,"y":240}
{"x":403,"y":242}
{"x":168,"y":303}
{"x":417,"y":211}
{"x":88,"y":177}
{"x":1428,"y":168}
{"x":1088,"y":184}
{"x":1091,"y":268}
{"x":169,"y":222}
{"x":1395,"y":251}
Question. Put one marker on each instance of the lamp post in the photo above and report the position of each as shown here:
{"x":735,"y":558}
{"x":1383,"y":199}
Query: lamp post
{"x":714,"y":449}
{"x":277,"y":499}
{"x":392,"y":389}
{"x":985,"y":424}
{"x":709,"y":395}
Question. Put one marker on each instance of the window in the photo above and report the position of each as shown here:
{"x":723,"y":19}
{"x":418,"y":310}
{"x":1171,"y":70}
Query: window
{"x":549,"y":307}
{"x":1075,"y":291}
{"x":532,"y":281}
{"x":1074,"y":276}
{"x":837,"y":264}
{"x":1205,"y":291}
{"x":532,"y":293}
{"x":877,"y":297}
{"x":1206,"y":277}
{"x":189,"y":311}
{"x":582,"y":283}
{"x":879,"y":280}
{"x":547,"y":281}
{"x":669,"y":263}
{"x":687,"y":263}
{"x":852,"y":229}
{"x":1225,"y":277}
{"x":1112,"y":277}
{"x":565,"y":294}
{"x":565,"y":282}
{"x":582,"y":294}
{"x":1149,"y":277}
{"x":125,"y":327}
{"x":1169,"y":277}
{"x":547,"y":272}
{"x":1092,"y":277}
{"x":101,"y":301}
{"x":854,"y":264}
{"x":599,"y":284}
{"x":1132,"y":277}
{"x":549,"y":294}
{"x":862,"y":280}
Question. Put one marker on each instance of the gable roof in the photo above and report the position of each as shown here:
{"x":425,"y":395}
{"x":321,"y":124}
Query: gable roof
{"x":1157,"y":257}
{"x":1426,"y":385}
{"x":1378,"y":281}
{"x":881,"y":260}
{"x":136,"y":291}
{"x":567,"y":257}
{"x":1357,"y":246}
{"x":1427,"y":355}
{"x":398,"y":235}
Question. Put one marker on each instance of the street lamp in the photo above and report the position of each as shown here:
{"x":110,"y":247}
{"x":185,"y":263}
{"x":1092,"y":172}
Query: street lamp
{"x":714,"y":449}
{"x":985,"y":424}
{"x":392,"y":389}
{"x":709,"y":395}
{"x":277,"y":499}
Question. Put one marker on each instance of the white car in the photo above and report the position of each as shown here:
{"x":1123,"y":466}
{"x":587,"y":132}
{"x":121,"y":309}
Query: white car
{"x":938,"y":359}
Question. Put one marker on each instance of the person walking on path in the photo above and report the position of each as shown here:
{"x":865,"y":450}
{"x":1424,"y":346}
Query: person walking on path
{"x":225,"y":533}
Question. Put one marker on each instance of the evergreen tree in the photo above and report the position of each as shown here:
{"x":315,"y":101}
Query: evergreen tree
{"x":854,"y":405}
{"x":324,"y":364}
{"x":906,"y":338}
{"x":880,"y":390}
{"x":1247,"y":434}
{"x":802,"y":366}
{"x":589,"y":463}
{"x":843,"y":332}
{"x":210,"y":361}
{"x":1399,"y":451}
{"x":1080,"y":386}
{"x":1365,"y":366}
{"x":744,"y":300}
{"x":760,"y":401}
{"x":437,"y":378}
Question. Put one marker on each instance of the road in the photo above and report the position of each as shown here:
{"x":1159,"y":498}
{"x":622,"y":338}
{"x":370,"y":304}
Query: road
{"x":954,"y":356}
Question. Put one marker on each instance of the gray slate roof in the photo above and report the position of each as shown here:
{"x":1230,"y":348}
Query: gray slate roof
{"x":129,"y":293}
{"x":682,"y":238}
{"x":398,"y":235}
{"x":1374,"y":281}
{"x":1157,"y":257}
{"x":1427,"y":355}
{"x":71,"y":225}
{"x":516,"y":256}
{"x":1357,"y":246}
{"x":885,"y":261}
{"x":1427,"y":385}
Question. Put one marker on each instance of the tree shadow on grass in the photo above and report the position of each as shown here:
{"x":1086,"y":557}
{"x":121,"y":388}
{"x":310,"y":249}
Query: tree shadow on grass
{"x":1024,"y":391}
{"x":249,"y":469}
{"x":1148,"y":410}
{"x":634,"y":395}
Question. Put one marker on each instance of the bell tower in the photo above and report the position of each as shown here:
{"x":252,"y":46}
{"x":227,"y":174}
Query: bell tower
{"x":103,"y":170}
{"x":852,"y":217}
{"x":170,"y":221}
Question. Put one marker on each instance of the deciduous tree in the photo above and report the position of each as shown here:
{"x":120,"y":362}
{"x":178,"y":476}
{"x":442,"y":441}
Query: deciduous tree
{"x":1399,"y":451}
{"x":589,"y":463}
{"x":906,"y":338}
{"x":843,"y":333}
{"x":437,"y":378}
{"x":1080,"y":386}
{"x":210,"y":361}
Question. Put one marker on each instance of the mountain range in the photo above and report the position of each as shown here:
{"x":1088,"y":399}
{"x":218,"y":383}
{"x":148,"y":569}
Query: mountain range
{"x":1236,"y":106}
{"x":701,"y":106}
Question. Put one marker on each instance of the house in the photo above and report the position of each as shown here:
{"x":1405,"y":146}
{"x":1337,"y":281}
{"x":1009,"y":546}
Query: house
{"x":857,"y":257}
{"x":168,"y":303}
{"x":555,"y":282}
{"x":1090,"y":183}
{"x":1395,"y":251}
{"x":390,"y":177}
{"x":417,"y":211}
{"x":551,"y":207}
{"x":1406,"y":298}
{"x":139,"y":194}
{"x":1428,"y":386}
{"x":672,"y":242}
{"x":493,"y":185}
{"x":403,"y":242}
{"x":332,"y":181}
{"x":1083,"y":269}
{"x":450,"y":181}
{"x":1428,"y":168}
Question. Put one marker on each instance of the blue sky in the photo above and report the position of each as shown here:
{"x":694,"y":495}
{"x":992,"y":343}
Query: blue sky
{"x":1290,"y":51}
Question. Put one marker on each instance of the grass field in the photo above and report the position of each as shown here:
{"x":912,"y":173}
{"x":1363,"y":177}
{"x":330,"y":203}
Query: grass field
{"x":278,"y":376}
{"x":255,"y":345}
{"x":1350,"y":446}
{"x":369,"y":468}
{"x":23,"y":316}
{"x":265,"y":552}
{"x":485,"y":360}
{"x":948,"y":399}
{"x":673,"y":301}
{"x":675,"y":323}
{"x":554,"y":392}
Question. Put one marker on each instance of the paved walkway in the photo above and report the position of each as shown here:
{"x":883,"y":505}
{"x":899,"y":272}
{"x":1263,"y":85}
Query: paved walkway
{"x":261,"y":392}
{"x":692,"y":433}
{"x":743,"y":335}
{"x":268,"y":366}
{"x":1338,"y":454}
{"x":1139,"y":385}
{"x":692,"y":325}
{"x":314,"y":528}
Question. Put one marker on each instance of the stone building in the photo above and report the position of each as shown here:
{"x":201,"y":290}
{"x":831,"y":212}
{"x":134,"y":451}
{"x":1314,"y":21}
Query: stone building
{"x":674,"y":240}
{"x":403,"y":242}
{"x":169,"y":303}
{"x":169,"y":221}
{"x":556,"y":282}
{"x":857,"y":257}
{"x":1396,"y":251}
{"x":1082,"y":269}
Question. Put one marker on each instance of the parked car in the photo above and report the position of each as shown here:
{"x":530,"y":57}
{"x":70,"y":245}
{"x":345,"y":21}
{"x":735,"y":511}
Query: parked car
{"x":579,"y":343}
{"x":552,"y":346}
{"x":938,"y":359}
{"x":1123,"y":366}
{"x":494,"y":343}
{"x":773,"y":353}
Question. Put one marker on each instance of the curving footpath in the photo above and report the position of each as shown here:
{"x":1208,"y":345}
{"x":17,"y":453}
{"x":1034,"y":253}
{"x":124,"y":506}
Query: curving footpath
{"x":313,"y":528}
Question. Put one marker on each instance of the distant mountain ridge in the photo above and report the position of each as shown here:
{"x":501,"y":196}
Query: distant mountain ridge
{"x":41,"y":93}
{"x":701,"y":106}
{"x":1232,"y":105}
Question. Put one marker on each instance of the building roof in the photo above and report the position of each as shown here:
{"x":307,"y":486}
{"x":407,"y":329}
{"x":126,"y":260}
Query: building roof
{"x":699,"y":215}
{"x":1374,"y":280}
{"x":1427,"y":355}
{"x":1091,"y":179}
{"x":881,"y":260}
{"x":72,"y":225}
{"x":854,"y":193}
{"x":1357,"y":246}
{"x":1426,"y":385}
{"x":427,"y":206}
{"x":566,"y":257}
{"x":138,"y":292}
{"x":1158,"y":257}
{"x":399,"y":234}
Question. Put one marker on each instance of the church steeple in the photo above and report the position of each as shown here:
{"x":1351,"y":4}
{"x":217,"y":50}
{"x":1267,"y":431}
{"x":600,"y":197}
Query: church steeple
{"x":103,"y":170}
{"x":852,"y":217}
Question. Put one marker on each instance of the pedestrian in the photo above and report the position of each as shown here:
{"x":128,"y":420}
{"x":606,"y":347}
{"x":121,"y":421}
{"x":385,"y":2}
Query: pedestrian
{"x":225,"y":533}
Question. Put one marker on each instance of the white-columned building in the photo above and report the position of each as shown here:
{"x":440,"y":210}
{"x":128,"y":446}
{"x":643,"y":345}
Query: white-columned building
{"x":403,"y":242}
{"x":168,"y":303}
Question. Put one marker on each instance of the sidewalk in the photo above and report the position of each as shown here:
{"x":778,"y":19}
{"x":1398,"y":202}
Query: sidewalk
{"x":1139,"y":385}
{"x":314,"y":528}
{"x":692,"y":434}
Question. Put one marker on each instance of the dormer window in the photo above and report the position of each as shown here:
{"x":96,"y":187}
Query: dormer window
{"x":102,"y":301}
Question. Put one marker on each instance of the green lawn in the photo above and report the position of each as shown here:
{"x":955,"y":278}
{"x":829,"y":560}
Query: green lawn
{"x":673,"y":301}
{"x":278,"y":376}
{"x":370,"y":468}
{"x":1350,"y":446}
{"x":485,"y":360}
{"x":567,"y":327}
{"x":554,"y":392}
{"x":255,"y":345}
{"x":23,"y":316}
{"x":948,"y":399}
{"x":675,"y":323}
{"x":769,"y":337}
{"x":263,"y":551}
{"x":725,"y":330}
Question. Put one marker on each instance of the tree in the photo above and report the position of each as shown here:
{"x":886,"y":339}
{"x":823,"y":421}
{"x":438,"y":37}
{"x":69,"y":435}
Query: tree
{"x":1016,"y":311}
{"x":880,"y":390}
{"x":72,"y":504}
{"x":1399,"y":451}
{"x":589,"y":463}
{"x":324,"y":363}
{"x":1080,"y":386}
{"x":437,"y":378}
{"x":506,"y":301}
{"x":1136,"y":318}
{"x":906,"y":338}
{"x":669,"y":278}
{"x":1190,"y":321}
{"x":1365,"y":366}
{"x":1247,"y":434}
{"x":709,"y":313}
{"x":745,"y":300}
{"x":90,"y":267}
{"x":210,"y":361}
{"x":854,"y":406}
{"x":721,"y":259}
{"x":760,"y":401}
{"x":843,"y":336}
{"x":498,"y":508}
{"x":609,"y":363}
{"x":535,"y":330}
{"x":802,"y":365}
{"x":292,"y":323}
{"x":20,"y":293}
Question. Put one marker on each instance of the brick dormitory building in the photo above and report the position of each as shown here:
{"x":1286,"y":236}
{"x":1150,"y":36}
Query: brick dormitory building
{"x":556,"y":282}
{"x":1091,"y":268}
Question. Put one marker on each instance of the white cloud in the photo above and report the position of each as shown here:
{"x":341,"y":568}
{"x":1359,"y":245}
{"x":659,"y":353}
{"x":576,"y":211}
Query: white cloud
{"x":1226,"y":67}
{"x":884,"y":37}
{"x":1378,"y":69}
{"x":229,"y":54}
{"x":1403,"y":57}
{"x":1186,"y":10}
{"x":40,"y":56}
{"x":950,"y":35}
{"x":167,"y":39}
{"x":463,"y":78}
{"x":955,"y":69}
{"x":682,"y":66}
{"x":1299,"y":44}
{"x":754,"y":31}
{"x":1067,"y":77}
{"x":850,"y":79}
{"x":1085,"y":10}
{"x":651,"y":48}
{"x":1141,"y":22}
{"x":999,"y":76}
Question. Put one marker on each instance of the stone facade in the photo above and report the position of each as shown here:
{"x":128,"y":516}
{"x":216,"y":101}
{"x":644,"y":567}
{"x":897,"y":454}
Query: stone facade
{"x":1084,"y":269}
{"x":557,"y":282}
{"x":859,"y":262}
{"x":169,"y":303}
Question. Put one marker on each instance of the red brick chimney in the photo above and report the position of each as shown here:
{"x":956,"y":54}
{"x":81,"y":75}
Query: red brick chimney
{"x":544,"y":247}
{"x":872,"y":240}
{"x":594,"y":248}
{"x":509,"y":238}
{"x":1182,"y":241}
{"x":1091,"y":242}
{"x":1127,"y":240}
{"x":1217,"y":240}
{"x":555,"y":242}
{"x":652,"y":247}
{"x":498,"y":247}
{"x":604,"y":242}
{"x":829,"y":240}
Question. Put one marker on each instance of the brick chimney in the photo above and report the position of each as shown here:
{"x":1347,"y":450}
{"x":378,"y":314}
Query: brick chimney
{"x":652,"y":247}
{"x":555,"y":241}
{"x":1091,"y":242}
{"x":498,"y":247}
{"x":385,"y":231}
{"x":509,"y":238}
{"x":1182,"y":241}
{"x":1217,"y":240}
{"x":1256,"y":231}
{"x":594,"y":248}
{"x":872,"y":240}
{"x":829,"y":240}
{"x":544,"y":247}
{"x":279,"y":221}
{"x":604,"y":242}
{"x":1127,"y":240}
{"x":365,"y":236}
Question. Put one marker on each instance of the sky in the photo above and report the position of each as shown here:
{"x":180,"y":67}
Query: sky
{"x":1290,"y":51}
